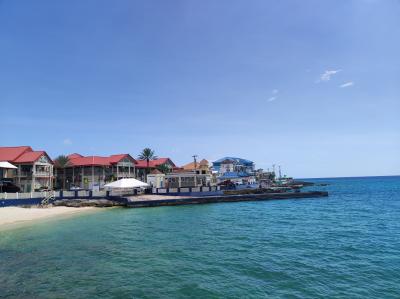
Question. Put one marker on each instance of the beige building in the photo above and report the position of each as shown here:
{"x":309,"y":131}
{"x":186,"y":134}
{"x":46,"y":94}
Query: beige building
{"x":93,"y":172}
{"x":202,"y":167}
{"x":156,"y":179}
{"x":34,"y":168}
{"x":187,"y":179}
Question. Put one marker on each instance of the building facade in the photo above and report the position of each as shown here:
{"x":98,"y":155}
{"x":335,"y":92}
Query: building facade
{"x":143,"y":168}
{"x":233,"y":164}
{"x":202,"y":167}
{"x":93,"y":172}
{"x":34,"y":168}
{"x":236,"y":170}
{"x":187,"y":179}
{"x":156,"y":179}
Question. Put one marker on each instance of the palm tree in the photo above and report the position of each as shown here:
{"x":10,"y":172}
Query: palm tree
{"x":163,"y":168}
{"x":147,"y":154}
{"x":62,"y":162}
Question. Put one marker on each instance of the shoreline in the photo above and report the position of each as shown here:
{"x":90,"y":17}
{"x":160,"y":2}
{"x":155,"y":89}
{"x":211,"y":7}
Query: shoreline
{"x":15,"y":217}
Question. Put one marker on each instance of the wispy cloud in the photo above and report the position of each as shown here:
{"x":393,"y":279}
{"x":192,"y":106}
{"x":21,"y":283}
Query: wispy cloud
{"x":326,"y":76}
{"x":347,"y":84}
{"x":67,"y":141}
{"x":274,"y":96}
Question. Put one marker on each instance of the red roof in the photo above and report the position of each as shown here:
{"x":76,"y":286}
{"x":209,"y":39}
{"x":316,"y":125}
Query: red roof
{"x":74,"y":155}
{"x":29,"y":157}
{"x":154,"y":163}
{"x":78,"y":160}
{"x":156,"y":171}
{"x":21,"y":154}
{"x":116,"y":158}
{"x":89,"y":161}
{"x":11,"y":153}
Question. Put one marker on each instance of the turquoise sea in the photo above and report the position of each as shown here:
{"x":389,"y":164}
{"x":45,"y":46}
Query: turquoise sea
{"x":343,"y":246}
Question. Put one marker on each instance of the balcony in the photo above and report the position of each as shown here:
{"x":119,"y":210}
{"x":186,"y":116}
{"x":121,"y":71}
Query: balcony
{"x":125,"y":174}
{"x":43,"y":173}
{"x":25,"y":174}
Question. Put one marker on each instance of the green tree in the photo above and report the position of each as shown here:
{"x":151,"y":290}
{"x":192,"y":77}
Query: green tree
{"x":163,"y":168}
{"x":62,"y":162}
{"x":147,"y":154}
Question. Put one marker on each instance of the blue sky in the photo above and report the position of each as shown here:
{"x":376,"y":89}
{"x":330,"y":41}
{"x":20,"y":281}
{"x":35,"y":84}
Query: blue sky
{"x":311,"y":85}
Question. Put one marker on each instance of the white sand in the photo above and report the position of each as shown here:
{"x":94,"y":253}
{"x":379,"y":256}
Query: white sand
{"x":14,"y":215}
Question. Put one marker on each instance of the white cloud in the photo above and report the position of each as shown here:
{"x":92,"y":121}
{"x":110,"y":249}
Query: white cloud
{"x":275,"y":91}
{"x":67,"y":141}
{"x":271,"y":99}
{"x":326,"y":76}
{"x":347,"y":84}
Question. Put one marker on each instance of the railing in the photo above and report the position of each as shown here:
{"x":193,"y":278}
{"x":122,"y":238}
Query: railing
{"x":37,"y":173}
{"x":28,"y":195}
{"x":126,"y":174}
{"x":25,"y":173}
{"x":186,"y":190}
{"x":43,"y":173}
{"x":122,"y":192}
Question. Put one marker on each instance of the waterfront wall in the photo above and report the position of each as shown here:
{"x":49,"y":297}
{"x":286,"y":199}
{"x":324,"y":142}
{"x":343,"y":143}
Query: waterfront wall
{"x":36,"y":198}
{"x":225,"y":198}
{"x":186,"y":190}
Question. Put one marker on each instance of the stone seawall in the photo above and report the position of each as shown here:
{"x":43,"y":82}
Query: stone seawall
{"x":155,"y":202}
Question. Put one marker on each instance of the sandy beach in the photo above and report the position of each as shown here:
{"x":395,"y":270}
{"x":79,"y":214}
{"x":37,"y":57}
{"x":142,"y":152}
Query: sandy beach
{"x":11,"y":216}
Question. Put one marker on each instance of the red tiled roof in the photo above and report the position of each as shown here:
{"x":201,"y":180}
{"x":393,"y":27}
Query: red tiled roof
{"x":90,"y":161}
{"x":74,"y":155}
{"x":78,"y":160}
{"x":29,"y":157}
{"x":153,"y":163}
{"x":21,"y":154}
{"x":116,"y":158}
{"x":190,"y":166}
{"x":204,"y":162}
{"x":11,"y":153}
{"x":156,"y":171}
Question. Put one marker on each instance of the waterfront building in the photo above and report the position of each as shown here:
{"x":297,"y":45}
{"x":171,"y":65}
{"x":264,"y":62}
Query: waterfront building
{"x":232,"y":164}
{"x":142,"y":168}
{"x":34,"y":168}
{"x":93,"y":172}
{"x":182,"y":178}
{"x":239,"y":178}
{"x":236,"y":170}
{"x":156,"y":179}
{"x":202,"y":167}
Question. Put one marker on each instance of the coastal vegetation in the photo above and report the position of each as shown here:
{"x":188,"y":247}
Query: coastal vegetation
{"x":164,"y":168}
{"x":147,"y":154}
{"x":62,"y":162}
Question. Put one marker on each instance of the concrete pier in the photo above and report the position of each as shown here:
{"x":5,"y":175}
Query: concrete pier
{"x":159,"y":200}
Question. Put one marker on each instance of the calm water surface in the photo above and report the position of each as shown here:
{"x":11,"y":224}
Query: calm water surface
{"x":344,"y":246}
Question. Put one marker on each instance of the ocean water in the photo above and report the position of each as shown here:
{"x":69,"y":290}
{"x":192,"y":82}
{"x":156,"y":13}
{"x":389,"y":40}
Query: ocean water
{"x":343,"y":246}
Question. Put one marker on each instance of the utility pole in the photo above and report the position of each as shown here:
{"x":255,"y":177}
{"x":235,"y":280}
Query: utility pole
{"x":92,"y":172}
{"x":195,"y":161}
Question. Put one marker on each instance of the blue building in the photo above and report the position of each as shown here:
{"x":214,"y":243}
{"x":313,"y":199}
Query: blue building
{"x":232,"y":164}
{"x":234,"y":169}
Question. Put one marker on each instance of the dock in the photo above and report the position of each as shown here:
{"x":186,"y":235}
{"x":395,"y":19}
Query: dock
{"x":142,"y":201}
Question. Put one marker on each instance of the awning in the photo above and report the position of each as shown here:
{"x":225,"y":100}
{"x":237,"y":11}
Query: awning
{"x":5,"y":164}
{"x":126,"y":183}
